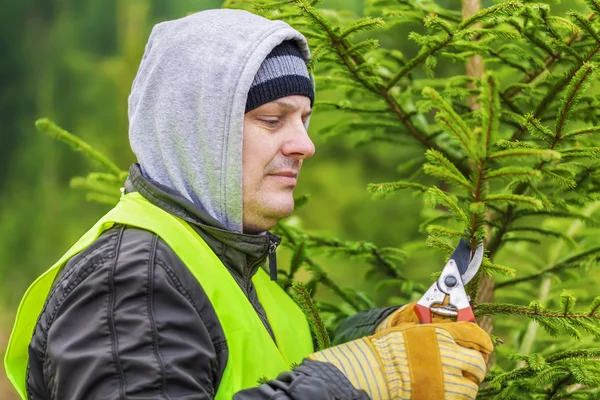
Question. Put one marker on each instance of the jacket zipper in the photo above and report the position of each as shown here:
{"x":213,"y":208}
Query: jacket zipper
{"x":273,"y":261}
{"x":271,"y":253}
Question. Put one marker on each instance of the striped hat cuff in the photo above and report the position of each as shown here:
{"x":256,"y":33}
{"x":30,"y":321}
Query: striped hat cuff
{"x":283,"y":73}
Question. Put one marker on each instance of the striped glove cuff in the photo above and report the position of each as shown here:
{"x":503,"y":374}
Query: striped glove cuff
{"x":360,"y":363}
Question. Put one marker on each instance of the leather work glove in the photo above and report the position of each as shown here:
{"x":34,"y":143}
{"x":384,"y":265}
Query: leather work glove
{"x":413,"y":361}
{"x":406,"y":314}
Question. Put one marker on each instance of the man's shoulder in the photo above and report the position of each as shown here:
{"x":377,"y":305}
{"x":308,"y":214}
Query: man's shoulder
{"x":87,"y":275}
{"x":105,"y":252}
{"x":123,"y":260}
{"x":118,"y":256}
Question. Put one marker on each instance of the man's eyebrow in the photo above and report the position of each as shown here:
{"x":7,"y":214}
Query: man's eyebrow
{"x":291,"y":107}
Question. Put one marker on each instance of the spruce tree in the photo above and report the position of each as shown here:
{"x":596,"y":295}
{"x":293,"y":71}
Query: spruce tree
{"x":504,"y":154}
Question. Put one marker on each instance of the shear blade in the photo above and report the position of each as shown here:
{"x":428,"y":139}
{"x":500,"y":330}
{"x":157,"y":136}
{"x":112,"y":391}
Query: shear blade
{"x":467,"y":266}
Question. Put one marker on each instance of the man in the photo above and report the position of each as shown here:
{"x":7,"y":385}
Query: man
{"x":165,"y":296}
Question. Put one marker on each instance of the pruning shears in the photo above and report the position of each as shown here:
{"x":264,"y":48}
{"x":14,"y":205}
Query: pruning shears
{"x":447,"y":296}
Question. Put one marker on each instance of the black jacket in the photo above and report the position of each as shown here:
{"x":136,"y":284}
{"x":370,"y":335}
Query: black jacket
{"x":126,"y":319}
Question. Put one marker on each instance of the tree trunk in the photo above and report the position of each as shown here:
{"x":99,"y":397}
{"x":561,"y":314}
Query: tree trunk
{"x":475,"y":69}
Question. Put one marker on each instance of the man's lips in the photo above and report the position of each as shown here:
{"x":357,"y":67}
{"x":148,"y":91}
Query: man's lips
{"x":287,"y":177}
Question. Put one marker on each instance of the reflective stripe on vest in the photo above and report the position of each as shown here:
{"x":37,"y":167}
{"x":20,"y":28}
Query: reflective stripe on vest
{"x":252,"y":353}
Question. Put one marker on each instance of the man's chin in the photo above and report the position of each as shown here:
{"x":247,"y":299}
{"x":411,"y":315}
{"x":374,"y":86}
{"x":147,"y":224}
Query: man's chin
{"x":282,"y":208}
{"x":283,"y":212}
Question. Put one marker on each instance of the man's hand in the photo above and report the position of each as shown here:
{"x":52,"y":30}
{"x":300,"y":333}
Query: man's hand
{"x":405,"y":314}
{"x":413,"y":361}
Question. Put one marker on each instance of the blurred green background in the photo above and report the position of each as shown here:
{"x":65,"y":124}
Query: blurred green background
{"x":73,"y":61}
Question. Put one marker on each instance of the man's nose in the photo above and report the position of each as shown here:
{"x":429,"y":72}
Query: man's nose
{"x":299,"y":145}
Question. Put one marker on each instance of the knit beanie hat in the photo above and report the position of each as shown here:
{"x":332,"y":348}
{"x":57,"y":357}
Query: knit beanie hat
{"x":283,"y":73}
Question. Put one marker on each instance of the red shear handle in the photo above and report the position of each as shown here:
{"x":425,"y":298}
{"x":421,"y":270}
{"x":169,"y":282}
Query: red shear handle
{"x":423,"y":313}
{"x":465,"y":314}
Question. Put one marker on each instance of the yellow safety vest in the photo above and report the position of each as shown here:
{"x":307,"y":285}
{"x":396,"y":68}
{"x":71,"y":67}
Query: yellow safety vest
{"x":252,"y":353}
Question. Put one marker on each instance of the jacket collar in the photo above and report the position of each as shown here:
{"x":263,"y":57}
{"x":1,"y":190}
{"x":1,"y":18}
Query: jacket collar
{"x":238,"y":251}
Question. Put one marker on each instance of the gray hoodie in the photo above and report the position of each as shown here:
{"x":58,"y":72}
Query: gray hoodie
{"x":186,"y":108}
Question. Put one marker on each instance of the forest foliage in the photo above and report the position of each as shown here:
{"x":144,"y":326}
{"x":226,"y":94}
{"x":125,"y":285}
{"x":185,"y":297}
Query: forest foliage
{"x":416,"y":154}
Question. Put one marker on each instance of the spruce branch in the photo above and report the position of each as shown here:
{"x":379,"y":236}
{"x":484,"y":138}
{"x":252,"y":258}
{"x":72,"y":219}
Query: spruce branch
{"x":422,"y":10}
{"x":530,"y":34}
{"x":556,"y":214}
{"x":445,"y":175}
{"x":441,"y":167}
{"x":420,"y":58}
{"x":261,"y":8}
{"x":516,"y":144}
{"x":302,"y":297}
{"x":319,"y":273}
{"x":46,"y":126}
{"x":543,"y":154}
{"x":436,"y":195}
{"x":569,"y":263}
{"x":361,"y":25}
{"x":515,"y":199}
{"x":347,"y":106}
{"x":322,"y":277}
{"x":573,"y":354}
{"x":558,"y":87}
{"x":558,"y":385}
{"x":434,"y":21}
{"x":79,"y":182}
{"x":553,"y":58}
{"x":593,"y":5}
{"x":442,"y":231}
{"x":585,"y":24}
{"x":581,"y":152}
{"x":380,"y":258}
{"x":491,"y":268}
{"x":516,"y":65}
{"x":316,"y":55}
{"x":512,"y":172}
{"x":579,"y":132}
{"x":564,"y":181}
{"x":536,"y":312}
{"x":579,"y":83}
{"x":564,"y":23}
{"x":504,"y":9}
{"x":535,"y":127}
{"x":595,"y":306}
{"x":491,"y":111}
{"x":300,"y":201}
{"x":109,"y":179}
{"x":364,"y":46}
{"x":545,"y":232}
{"x":438,"y":243}
{"x":547,"y":377}
{"x":569,"y":51}
{"x":297,"y":260}
{"x":382,"y":190}
{"x":456,"y":126}
{"x":507,"y":8}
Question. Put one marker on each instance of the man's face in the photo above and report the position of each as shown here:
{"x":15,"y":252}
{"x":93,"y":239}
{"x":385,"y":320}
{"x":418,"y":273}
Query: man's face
{"x":274,"y":145}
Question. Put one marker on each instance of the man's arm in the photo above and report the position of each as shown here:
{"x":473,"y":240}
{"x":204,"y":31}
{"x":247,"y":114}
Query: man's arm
{"x":311,"y":380}
{"x":361,"y":324}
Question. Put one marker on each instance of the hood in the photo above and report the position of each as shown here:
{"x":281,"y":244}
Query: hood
{"x":187,"y":102}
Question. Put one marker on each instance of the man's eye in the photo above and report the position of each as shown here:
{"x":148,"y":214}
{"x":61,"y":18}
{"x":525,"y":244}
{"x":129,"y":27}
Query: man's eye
{"x":270,"y":122}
